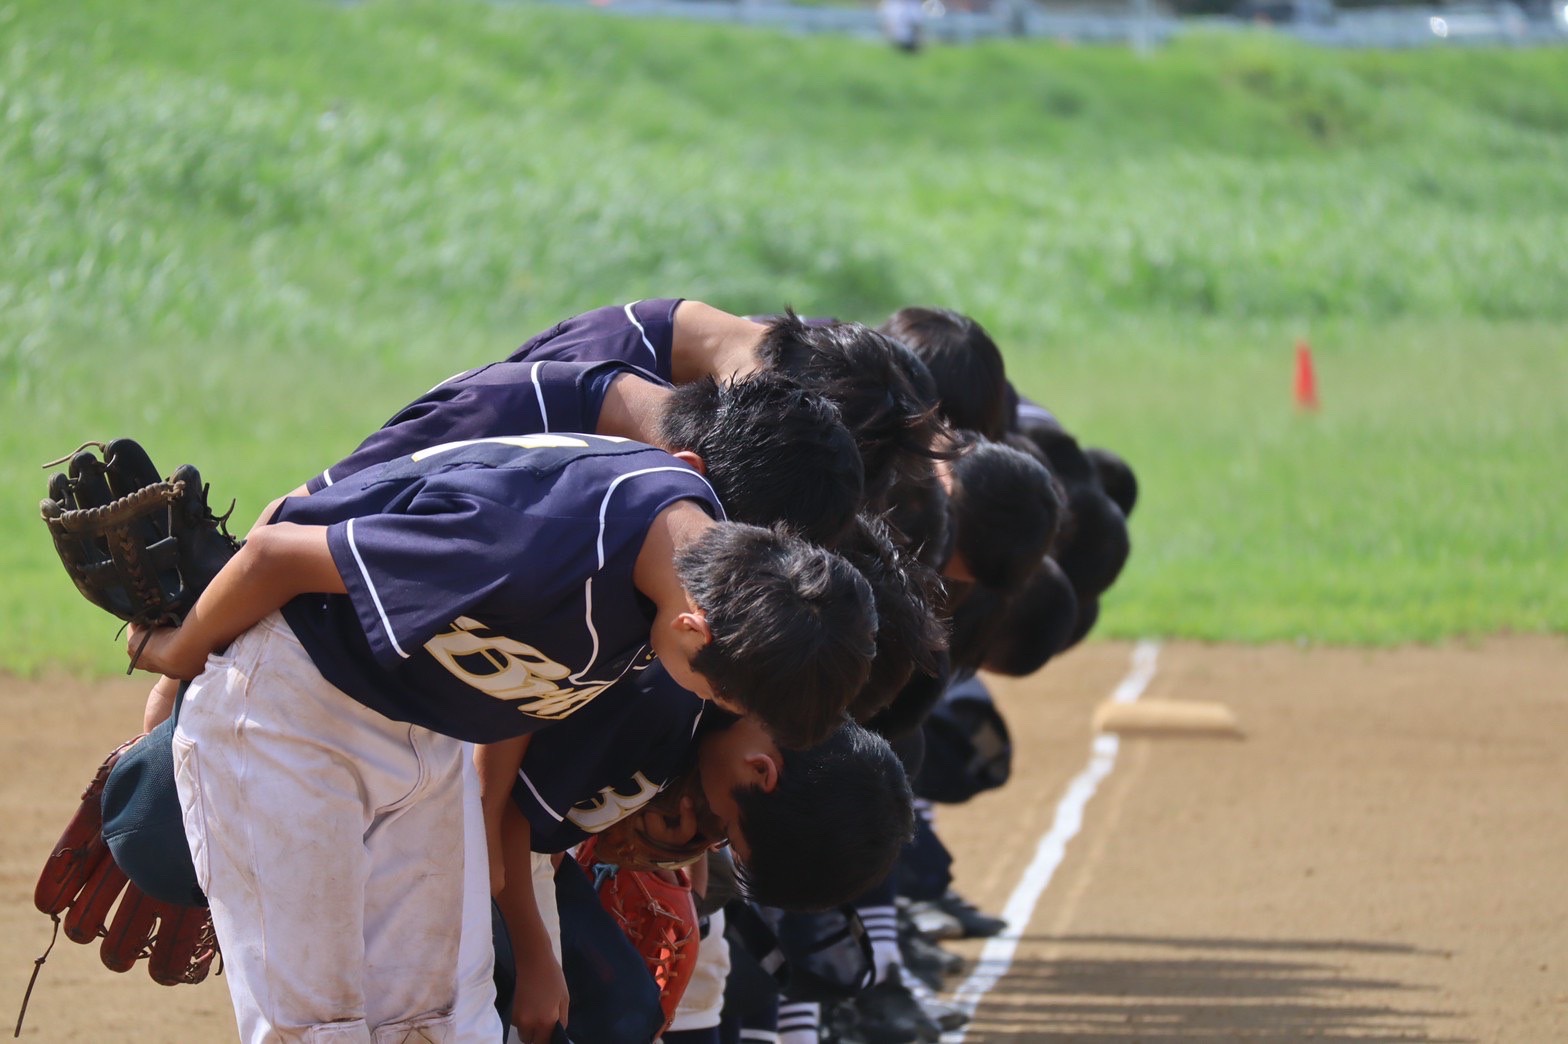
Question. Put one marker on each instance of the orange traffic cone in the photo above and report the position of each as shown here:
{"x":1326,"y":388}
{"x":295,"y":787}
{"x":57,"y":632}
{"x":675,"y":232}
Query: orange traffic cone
{"x":1306,"y":382}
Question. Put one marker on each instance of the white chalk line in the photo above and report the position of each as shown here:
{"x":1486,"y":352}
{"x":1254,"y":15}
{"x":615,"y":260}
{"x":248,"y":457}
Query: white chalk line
{"x":997,"y":956}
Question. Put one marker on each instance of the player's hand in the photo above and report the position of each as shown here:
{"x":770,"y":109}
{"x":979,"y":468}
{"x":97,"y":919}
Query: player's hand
{"x":542,"y":998}
{"x":164,"y":650}
{"x":160,"y":702}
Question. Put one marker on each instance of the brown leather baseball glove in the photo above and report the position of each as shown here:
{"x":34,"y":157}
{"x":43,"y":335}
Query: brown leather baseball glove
{"x":81,"y":881}
{"x":137,"y":545}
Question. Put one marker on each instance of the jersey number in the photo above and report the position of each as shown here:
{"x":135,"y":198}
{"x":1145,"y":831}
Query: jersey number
{"x":509,"y":670}
{"x":611,"y":806}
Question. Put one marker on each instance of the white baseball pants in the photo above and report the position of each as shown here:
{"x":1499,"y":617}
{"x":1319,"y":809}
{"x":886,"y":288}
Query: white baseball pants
{"x":330,"y":843}
{"x":702,"y":1004}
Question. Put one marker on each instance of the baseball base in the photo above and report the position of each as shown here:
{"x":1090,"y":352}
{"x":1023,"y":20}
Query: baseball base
{"x":1166,"y":718}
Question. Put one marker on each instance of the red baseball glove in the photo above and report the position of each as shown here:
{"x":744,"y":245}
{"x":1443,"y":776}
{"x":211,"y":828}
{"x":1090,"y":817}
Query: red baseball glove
{"x":656,"y":911}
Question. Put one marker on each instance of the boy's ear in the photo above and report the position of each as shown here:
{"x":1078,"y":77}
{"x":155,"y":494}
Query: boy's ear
{"x":694,"y":623}
{"x":697,"y":463}
{"x":764,"y":771}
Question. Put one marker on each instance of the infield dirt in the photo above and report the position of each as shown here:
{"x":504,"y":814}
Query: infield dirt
{"x":1381,"y":857}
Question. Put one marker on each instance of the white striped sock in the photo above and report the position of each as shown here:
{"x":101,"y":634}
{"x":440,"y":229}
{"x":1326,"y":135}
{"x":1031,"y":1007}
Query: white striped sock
{"x":798,"y":1022}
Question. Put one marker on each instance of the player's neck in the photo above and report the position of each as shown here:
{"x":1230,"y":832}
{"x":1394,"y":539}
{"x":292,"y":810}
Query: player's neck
{"x":632,"y":409}
{"x":710,"y":342}
{"x":677,"y":526}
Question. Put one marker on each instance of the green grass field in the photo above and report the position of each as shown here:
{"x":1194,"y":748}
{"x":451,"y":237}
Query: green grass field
{"x":247,"y":233}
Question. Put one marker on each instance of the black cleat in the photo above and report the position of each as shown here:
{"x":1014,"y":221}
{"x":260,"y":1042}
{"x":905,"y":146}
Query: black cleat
{"x":926,"y":960}
{"x":890,"y":1014}
{"x":976,"y":925}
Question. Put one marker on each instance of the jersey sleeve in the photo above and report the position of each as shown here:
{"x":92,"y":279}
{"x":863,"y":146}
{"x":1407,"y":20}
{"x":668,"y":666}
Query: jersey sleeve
{"x":571,"y":394}
{"x":655,"y":322}
{"x":640,"y":333}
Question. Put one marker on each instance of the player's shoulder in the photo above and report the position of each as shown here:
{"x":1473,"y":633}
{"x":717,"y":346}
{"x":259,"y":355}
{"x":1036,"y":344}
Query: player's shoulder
{"x":484,"y":461}
{"x":580,"y":453}
{"x":553,"y":371}
{"x":640,"y":470}
{"x":635,"y":314}
{"x":595,"y":480}
{"x":658,"y":309}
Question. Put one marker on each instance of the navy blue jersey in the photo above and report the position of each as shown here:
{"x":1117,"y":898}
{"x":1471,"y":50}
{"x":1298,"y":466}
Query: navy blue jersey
{"x":607,"y":760}
{"x":640,"y":333}
{"x":505,"y":398}
{"x":490,"y":582}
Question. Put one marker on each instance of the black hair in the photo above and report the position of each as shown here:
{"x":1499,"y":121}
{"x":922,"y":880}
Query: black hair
{"x":976,"y":621}
{"x":1096,"y":543}
{"x":971,"y":379}
{"x":913,"y":702}
{"x":794,"y":626}
{"x":1115,"y":476}
{"x":920,"y":377}
{"x":909,"y":634}
{"x":1010,"y":405}
{"x":1027,"y":446}
{"x":1036,"y":625}
{"x":1088,"y":614}
{"x":774,"y":452}
{"x":1093,"y":544}
{"x":915,"y":506}
{"x":1005,"y":511}
{"x":868,"y":378}
{"x":832,"y":828}
{"x":1061,"y":451}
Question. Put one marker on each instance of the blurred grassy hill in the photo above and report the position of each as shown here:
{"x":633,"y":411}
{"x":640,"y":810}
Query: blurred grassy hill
{"x":247,"y":233}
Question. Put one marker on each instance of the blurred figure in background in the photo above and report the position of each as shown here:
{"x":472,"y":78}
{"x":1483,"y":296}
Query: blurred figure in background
{"x":903,"y":22}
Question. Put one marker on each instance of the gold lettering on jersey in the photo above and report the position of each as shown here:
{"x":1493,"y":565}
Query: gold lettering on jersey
{"x":520,"y":441}
{"x":611,"y":806}
{"x":509,"y":670}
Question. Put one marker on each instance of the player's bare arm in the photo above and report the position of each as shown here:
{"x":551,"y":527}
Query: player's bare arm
{"x":272,"y":507}
{"x":277,"y":563}
{"x":498,"y":765}
{"x":541,"y":998}
{"x":711,"y":342}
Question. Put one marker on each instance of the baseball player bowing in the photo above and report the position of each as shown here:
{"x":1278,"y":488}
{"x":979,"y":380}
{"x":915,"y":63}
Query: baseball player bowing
{"x":666,"y":772}
{"x":873,"y":380}
{"x":773,"y":452}
{"x":475,"y":591}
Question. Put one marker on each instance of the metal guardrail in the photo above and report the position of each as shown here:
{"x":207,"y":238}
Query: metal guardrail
{"x":1004,"y":18}
{"x":1386,"y":28}
{"x":1389,"y":27}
